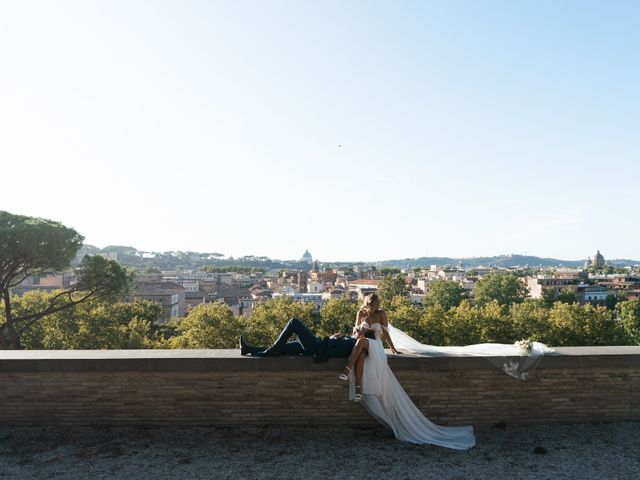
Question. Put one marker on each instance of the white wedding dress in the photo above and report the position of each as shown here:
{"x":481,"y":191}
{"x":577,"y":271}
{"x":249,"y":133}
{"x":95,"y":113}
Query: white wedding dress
{"x":386,"y":400}
{"x":510,"y":358}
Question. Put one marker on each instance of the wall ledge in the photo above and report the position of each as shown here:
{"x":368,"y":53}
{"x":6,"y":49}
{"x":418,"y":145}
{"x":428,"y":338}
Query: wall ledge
{"x":222,"y":388}
{"x":231,"y":360}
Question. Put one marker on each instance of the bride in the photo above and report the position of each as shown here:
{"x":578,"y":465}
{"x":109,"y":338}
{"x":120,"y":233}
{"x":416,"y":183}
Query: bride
{"x":373,"y":383}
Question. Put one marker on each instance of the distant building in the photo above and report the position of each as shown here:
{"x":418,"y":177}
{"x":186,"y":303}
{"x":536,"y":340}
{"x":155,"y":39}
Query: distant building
{"x":591,"y":293}
{"x":334,"y":293}
{"x":315,"y":287}
{"x":556,"y":284}
{"x":621,"y":283}
{"x":364,"y":287}
{"x":231,"y":295}
{"x":301,"y":279}
{"x":243,"y":280}
{"x":423,"y":284}
{"x":45,"y":283}
{"x":455,"y":274}
{"x":190,"y":285}
{"x":239,"y":299}
{"x":193,"y":299}
{"x":306,"y":257}
{"x":169,"y":295}
{"x":327,"y":276}
{"x":148,"y":276}
{"x":317,"y":299}
{"x":369,"y":273}
{"x":598,"y":260}
{"x":417,"y":298}
{"x":261,"y":294}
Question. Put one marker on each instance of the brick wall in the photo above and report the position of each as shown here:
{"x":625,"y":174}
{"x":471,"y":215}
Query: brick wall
{"x":218,"y":387}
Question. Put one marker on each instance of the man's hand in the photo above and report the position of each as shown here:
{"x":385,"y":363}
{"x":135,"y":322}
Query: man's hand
{"x":337,"y":335}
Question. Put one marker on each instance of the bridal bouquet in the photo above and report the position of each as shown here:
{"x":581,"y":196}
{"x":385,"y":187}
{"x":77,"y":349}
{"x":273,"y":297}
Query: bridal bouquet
{"x":524,"y":345}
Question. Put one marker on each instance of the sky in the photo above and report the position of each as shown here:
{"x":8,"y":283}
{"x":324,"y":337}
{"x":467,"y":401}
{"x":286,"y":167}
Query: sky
{"x":361,"y":130}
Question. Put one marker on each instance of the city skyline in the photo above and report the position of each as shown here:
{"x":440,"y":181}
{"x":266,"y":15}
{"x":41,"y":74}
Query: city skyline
{"x":369,"y":129}
{"x":377,"y":260}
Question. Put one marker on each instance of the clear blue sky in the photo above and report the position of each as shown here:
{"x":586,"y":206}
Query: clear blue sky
{"x":361,"y":130}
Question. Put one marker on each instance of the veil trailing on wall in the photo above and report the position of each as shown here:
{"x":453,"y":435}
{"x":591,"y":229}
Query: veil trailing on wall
{"x":517,"y":360}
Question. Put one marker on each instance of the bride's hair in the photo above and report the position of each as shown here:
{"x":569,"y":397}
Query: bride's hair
{"x":366,"y":305}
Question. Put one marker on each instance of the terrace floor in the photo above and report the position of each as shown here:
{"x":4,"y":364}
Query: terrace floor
{"x":597,"y":451}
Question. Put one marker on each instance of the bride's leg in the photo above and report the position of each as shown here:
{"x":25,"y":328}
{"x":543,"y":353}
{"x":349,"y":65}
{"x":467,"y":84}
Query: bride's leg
{"x":361,"y":346}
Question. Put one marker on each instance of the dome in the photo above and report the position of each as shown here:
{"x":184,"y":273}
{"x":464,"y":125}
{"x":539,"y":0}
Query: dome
{"x":306,"y":257}
{"x":598,"y":259}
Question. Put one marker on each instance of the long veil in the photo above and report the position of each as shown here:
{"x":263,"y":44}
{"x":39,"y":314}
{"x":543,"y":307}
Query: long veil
{"x":518,"y":361}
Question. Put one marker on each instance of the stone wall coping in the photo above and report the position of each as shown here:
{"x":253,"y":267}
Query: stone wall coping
{"x":231,"y":360}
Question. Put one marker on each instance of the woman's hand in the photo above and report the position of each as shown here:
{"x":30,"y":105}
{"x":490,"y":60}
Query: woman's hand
{"x":393,"y":350}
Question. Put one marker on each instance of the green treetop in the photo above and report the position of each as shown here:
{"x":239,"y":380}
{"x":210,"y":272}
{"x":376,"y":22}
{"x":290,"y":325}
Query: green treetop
{"x":445,"y":293}
{"x":35,"y":246}
{"x":504,"y":288}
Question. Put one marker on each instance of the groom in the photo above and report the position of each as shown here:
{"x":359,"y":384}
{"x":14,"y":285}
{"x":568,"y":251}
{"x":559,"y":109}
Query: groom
{"x":307,"y":344}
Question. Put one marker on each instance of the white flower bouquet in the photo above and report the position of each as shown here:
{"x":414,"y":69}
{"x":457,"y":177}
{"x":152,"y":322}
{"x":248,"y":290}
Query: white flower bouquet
{"x":524,"y":346}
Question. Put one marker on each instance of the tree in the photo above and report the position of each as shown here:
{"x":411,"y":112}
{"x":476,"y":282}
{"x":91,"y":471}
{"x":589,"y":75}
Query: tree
{"x":337,"y":315}
{"x":584,"y":325}
{"x":391,"y":286}
{"x":530,"y":319}
{"x":389,"y":271}
{"x":445,"y":293}
{"x":90,"y":325}
{"x":567,"y":295}
{"x":496,"y":325}
{"x":268,"y":318}
{"x":151,"y":269}
{"x":504,"y":288}
{"x":210,"y":325}
{"x":462,"y":325}
{"x":611,"y":301}
{"x":607,"y":269}
{"x":548,"y":297}
{"x":433,"y":326}
{"x":407,"y":317}
{"x":36,"y":246}
{"x":629,"y":314}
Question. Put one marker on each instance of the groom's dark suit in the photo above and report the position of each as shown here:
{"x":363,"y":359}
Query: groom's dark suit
{"x":307,"y":344}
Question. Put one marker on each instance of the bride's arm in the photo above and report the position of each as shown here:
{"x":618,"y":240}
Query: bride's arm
{"x":355,"y":332}
{"x":384,"y":321}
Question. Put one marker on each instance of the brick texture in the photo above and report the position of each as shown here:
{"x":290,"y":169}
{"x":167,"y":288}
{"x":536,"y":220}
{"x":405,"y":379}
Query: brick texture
{"x":312,"y":395}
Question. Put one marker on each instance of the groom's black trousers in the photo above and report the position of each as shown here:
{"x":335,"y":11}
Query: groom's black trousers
{"x":307,"y":344}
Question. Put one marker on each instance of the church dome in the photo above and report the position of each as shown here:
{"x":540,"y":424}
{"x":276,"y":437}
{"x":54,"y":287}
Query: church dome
{"x":306,"y":257}
{"x":598,"y":259}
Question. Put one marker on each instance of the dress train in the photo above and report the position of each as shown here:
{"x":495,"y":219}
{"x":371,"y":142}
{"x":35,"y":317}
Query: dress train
{"x":385,"y":399}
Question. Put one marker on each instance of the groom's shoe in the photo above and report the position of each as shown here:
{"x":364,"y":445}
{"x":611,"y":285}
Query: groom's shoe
{"x":245,"y":348}
{"x":269,"y":352}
